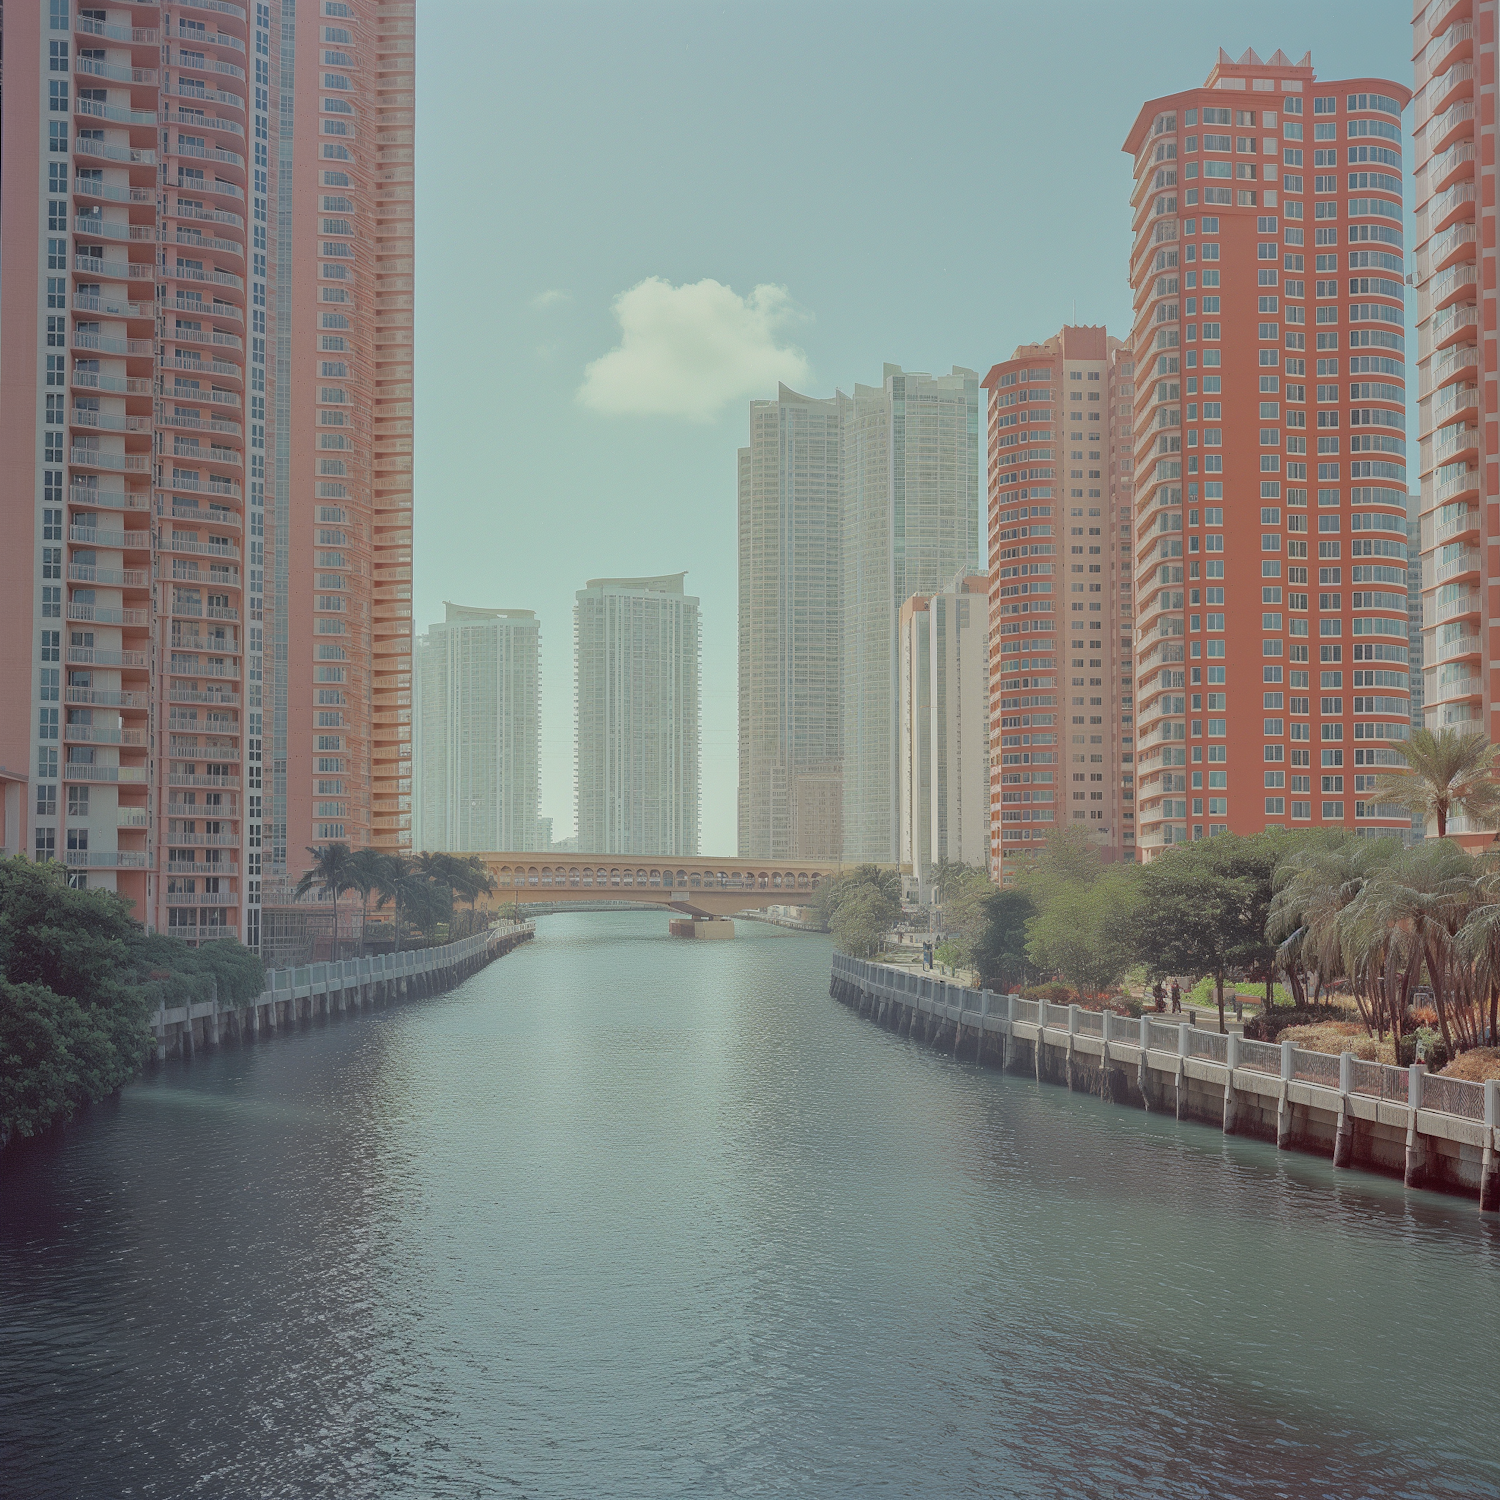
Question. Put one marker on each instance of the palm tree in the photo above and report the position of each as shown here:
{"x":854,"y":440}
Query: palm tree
{"x":331,"y":874}
{"x":397,"y":884}
{"x":365,"y":869}
{"x":1446,"y":772}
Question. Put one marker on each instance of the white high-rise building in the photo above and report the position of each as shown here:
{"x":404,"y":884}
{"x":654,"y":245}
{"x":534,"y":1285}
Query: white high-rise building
{"x":944,"y":727}
{"x":791,"y":718}
{"x":478,"y":732}
{"x":637,"y":646}
{"x":910,"y":521}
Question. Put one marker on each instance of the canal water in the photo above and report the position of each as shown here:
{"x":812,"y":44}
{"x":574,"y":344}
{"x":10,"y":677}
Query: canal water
{"x":625,"y":1217}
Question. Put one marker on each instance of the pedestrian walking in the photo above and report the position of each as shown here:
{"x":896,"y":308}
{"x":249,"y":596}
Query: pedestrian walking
{"x":1159,"y":995}
{"x":1176,"y":998}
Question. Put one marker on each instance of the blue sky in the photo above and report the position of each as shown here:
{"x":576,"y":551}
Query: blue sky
{"x":929,"y":185}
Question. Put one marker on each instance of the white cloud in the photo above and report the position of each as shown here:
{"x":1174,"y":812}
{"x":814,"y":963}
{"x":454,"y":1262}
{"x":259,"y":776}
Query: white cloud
{"x":688,"y":351}
{"x":543,"y":300}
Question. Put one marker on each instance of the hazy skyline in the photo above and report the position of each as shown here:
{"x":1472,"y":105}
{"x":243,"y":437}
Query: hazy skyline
{"x":687,"y":204}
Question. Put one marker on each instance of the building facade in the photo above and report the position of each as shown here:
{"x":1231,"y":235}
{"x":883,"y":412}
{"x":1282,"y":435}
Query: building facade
{"x":151,"y":262}
{"x":790,"y":703}
{"x":1062,"y":746}
{"x":1453,"y":137}
{"x":1267,"y":274}
{"x":637,"y":650}
{"x":944,"y":710}
{"x":477,"y":750}
{"x":910,"y":520}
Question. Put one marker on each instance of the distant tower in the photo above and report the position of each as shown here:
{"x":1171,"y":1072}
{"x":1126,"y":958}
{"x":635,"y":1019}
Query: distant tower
{"x":910,"y":521}
{"x":791,"y":720}
{"x":637,"y":649}
{"x":477,"y":730}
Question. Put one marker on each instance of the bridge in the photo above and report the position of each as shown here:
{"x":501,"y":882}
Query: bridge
{"x":698,"y":887}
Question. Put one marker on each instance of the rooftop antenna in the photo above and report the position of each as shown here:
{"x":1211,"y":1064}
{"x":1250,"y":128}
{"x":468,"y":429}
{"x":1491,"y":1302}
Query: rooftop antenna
{"x":1075,"y":312}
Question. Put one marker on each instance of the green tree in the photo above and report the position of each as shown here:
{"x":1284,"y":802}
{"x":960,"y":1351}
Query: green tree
{"x":364,"y":872}
{"x":1204,"y":909}
{"x":861,"y":906}
{"x":998,"y":948}
{"x":1082,"y":930}
{"x":1447,"y":772}
{"x":332,"y":874}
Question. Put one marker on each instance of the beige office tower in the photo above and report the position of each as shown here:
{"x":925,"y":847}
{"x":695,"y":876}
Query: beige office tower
{"x":478,"y":732}
{"x":1453,"y":137}
{"x":943,"y":749}
{"x":910,"y":521}
{"x":637,"y":649}
{"x":790,"y":790}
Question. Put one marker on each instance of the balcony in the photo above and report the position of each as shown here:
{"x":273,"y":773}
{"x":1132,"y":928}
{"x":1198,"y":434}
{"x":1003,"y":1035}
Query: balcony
{"x":133,"y":156}
{"x":205,"y":668}
{"x":105,"y":698}
{"x":207,"y":153}
{"x":223,"y":7}
{"x":1453,"y":402}
{"x":119,"y":578}
{"x":181,"y":867}
{"x":196,"y":366}
{"x":100,"y":458}
{"x":114,"y":113}
{"x":1453,"y":244}
{"x":1459,"y":647}
{"x":1453,"y":363}
{"x":1459,"y":484}
{"x":201,"y":122}
{"x":105,"y":859}
{"x":109,"y":614}
{"x":1456,"y":526}
{"x":192,"y":88}
{"x":108,"y":421}
{"x":1457,"y":567}
{"x":1456,"y":41}
{"x":1460,"y":321}
{"x":1452,"y":441}
{"x":141,"y":36}
{"x":203,"y":898}
{"x":195,"y":184}
{"x":200,"y":424}
{"x":1454,"y":161}
{"x":185,"y":778}
{"x":205,"y":840}
{"x":115,"y":72}
{"x":99,"y":734}
{"x":195,"y":240}
{"x":114,"y":270}
{"x":180,"y":335}
{"x":124,"y":541}
{"x":1458,"y":201}
{"x":132,"y":817}
{"x":125,"y":775}
{"x":87,"y":187}
{"x":210,"y":65}
{"x":1456,"y":609}
{"x":1452,"y":85}
{"x":84,"y":494}
{"x":91,"y":656}
{"x":179,"y":694}
{"x":123,"y":385}
{"x":113,"y":307}
{"x":1456,"y":687}
{"x":107,"y":343}
{"x":173,"y":543}
{"x":1445,"y":128}
{"x":180,"y":272}
{"x":208,"y":486}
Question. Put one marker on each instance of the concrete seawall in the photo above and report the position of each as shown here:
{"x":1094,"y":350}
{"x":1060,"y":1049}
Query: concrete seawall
{"x":337,"y":988}
{"x":1437,"y":1133}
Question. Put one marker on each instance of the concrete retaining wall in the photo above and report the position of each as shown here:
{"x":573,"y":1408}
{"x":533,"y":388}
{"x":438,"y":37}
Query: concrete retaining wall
{"x":1434,"y":1132}
{"x":293,"y":996}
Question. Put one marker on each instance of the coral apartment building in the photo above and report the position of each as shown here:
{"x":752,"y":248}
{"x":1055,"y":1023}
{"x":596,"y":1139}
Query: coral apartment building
{"x":1268,"y":269}
{"x":205,"y":372}
{"x":1453,"y":136}
{"x":1062,"y":746}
